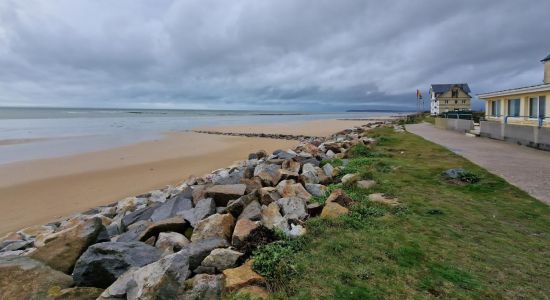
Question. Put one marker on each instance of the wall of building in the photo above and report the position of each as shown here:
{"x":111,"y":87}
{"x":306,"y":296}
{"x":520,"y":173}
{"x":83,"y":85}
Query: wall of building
{"x":532,"y":136}
{"x":453,"y":103}
{"x":524,"y":109}
{"x":454,"y":124}
{"x":547,"y":71}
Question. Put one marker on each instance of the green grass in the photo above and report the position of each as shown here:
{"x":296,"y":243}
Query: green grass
{"x":484,"y":240}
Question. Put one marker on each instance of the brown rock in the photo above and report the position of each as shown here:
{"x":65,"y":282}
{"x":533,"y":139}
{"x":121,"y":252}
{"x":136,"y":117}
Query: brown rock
{"x":252,"y":184}
{"x":170,"y":242}
{"x":268,"y":195}
{"x":314,"y":209}
{"x":198,"y":193}
{"x":215,"y":226}
{"x":24,"y":278}
{"x":365,"y":184}
{"x":291,"y":166}
{"x":288,"y":188}
{"x":80,"y":293}
{"x":272,"y":218}
{"x":242,"y":231}
{"x":223,"y":193}
{"x":340,"y":197}
{"x":242,"y":276}
{"x":333,"y":210}
{"x":286,"y":174}
{"x":381,"y":198}
{"x":61,"y":249}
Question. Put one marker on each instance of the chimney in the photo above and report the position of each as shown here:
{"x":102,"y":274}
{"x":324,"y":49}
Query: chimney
{"x":546,"y":62}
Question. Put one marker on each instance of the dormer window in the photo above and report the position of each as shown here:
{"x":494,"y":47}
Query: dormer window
{"x":455,"y":93}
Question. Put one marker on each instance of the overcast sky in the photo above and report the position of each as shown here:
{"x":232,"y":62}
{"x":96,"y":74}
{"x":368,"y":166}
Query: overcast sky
{"x":273,"y":55}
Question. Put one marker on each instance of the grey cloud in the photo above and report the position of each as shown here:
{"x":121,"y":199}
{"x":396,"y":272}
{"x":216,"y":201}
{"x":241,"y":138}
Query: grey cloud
{"x":281,"y":55}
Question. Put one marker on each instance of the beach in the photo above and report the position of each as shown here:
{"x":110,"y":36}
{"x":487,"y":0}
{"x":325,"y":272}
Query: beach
{"x":40,"y":191}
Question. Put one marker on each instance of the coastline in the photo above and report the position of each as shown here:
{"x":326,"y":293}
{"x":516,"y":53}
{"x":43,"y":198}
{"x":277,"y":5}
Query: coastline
{"x":40,"y":191}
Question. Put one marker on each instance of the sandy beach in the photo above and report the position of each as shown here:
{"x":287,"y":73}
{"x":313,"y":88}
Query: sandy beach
{"x":40,"y":191}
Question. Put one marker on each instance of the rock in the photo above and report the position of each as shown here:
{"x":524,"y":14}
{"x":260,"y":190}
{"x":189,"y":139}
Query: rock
{"x":61,"y":249}
{"x":323,"y":178}
{"x":252,"y":184}
{"x":350,"y":179}
{"x":272,"y":218}
{"x":269,"y":173}
{"x":140,"y":215}
{"x":215,"y":226}
{"x":454,"y":173}
{"x":285,"y":175}
{"x":253,"y":211}
{"x":268,"y":195}
{"x":381,"y":198}
{"x":330,"y":154}
{"x":11,"y":236}
{"x":242,"y":231}
{"x":365,"y":184}
{"x":34,"y":231}
{"x":203,"y":209}
{"x":198,"y":192}
{"x":291,"y":166}
{"x":197,"y":251}
{"x":103,"y":263}
{"x":226,"y":177}
{"x":163,"y":279}
{"x":253,"y":292}
{"x":293,"y":208}
{"x":333,"y":210}
{"x":308,"y":167}
{"x":127,"y":204}
{"x":284,"y":154}
{"x":309,"y":176}
{"x":25,"y":278}
{"x":317,"y":190}
{"x":296,"y":230}
{"x":171,"y":207}
{"x":80,"y":293}
{"x":242,"y":276}
{"x":205,"y":287}
{"x":176,"y":224}
{"x":15,"y":245}
{"x":288,"y":188}
{"x":221,"y":259}
{"x":258,"y":155}
{"x":223,"y":193}
{"x":329,"y":170}
{"x":338,"y":196}
{"x":170,"y":242}
{"x":236,"y":207}
{"x":134,"y":231}
{"x":314,"y":209}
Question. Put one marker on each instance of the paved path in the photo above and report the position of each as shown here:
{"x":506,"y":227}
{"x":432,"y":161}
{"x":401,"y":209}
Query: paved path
{"x":524,"y":167}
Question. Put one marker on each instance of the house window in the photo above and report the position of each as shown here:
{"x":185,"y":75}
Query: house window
{"x":495,"y":108}
{"x":542,"y":106}
{"x":455,"y":93}
{"x":513,"y":107}
{"x":456,"y":101}
{"x":533,"y":107}
{"x":463,"y":101}
{"x":446,"y":101}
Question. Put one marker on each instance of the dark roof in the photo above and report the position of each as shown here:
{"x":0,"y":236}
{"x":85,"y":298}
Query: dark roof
{"x":546,"y":58}
{"x":442,"y":88}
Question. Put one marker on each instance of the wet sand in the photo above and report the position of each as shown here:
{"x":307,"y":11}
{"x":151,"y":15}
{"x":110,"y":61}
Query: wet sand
{"x":41,"y":191}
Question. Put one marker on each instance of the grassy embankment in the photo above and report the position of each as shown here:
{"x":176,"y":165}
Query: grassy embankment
{"x":487,"y":240}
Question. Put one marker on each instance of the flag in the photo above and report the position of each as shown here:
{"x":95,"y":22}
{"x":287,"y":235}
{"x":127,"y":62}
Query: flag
{"x":418,"y":94}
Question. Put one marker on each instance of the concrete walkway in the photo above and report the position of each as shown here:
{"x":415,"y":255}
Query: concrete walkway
{"x":524,"y":167}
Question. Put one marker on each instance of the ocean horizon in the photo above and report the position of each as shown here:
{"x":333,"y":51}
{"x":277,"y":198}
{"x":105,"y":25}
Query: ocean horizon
{"x":28,"y":133}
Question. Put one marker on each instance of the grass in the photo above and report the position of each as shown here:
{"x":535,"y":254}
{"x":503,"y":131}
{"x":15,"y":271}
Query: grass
{"x":483,"y":240}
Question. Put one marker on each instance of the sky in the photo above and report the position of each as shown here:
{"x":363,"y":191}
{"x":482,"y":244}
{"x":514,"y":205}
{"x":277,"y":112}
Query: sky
{"x":290,"y":55}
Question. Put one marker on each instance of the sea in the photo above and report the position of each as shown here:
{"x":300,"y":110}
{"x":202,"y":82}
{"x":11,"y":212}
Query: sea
{"x":38,"y":133}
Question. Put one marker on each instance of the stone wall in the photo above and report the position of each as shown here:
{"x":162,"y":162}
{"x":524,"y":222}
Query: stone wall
{"x":532,"y":136}
{"x":454,"y":124}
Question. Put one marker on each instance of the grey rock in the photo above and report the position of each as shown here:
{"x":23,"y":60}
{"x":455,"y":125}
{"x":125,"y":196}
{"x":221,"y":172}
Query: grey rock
{"x":317,"y":190}
{"x":170,"y":242}
{"x":235,"y":208}
{"x":293,"y":208}
{"x":329,"y":170}
{"x":171,"y":207}
{"x":197,"y":251}
{"x":253,"y":211}
{"x":223,"y":193}
{"x":205,"y":287}
{"x":269,"y":173}
{"x":140,"y":215}
{"x":203,"y":209}
{"x":134,"y":231}
{"x":101,"y":264}
{"x":272,"y":218}
{"x":221,"y":259}
{"x":454,"y":173}
{"x":268,"y":195}
{"x":226,"y":177}
{"x":15,"y":245}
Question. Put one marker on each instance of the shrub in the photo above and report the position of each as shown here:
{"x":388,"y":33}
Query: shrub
{"x":358,"y":150}
{"x":469,"y":177}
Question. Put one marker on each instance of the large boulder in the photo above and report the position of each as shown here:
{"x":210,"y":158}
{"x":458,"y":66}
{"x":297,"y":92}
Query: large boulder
{"x":163,"y":279}
{"x":61,"y":249}
{"x":170,"y":242}
{"x":253,"y":211}
{"x":242,"y":230}
{"x":221,"y":259}
{"x":333,"y":210}
{"x":272,"y":218}
{"x":223,"y":193}
{"x":205,"y":287}
{"x":25,"y":278}
{"x":133,"y":231}
{"x":171,"y":207}
{"x":202,"y":209}
{"x":242,"y":276}
{"x":293,"y":208}
{"x":215,"y":226}
{"x":103,"y":263}
{"x":269,"y":173}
